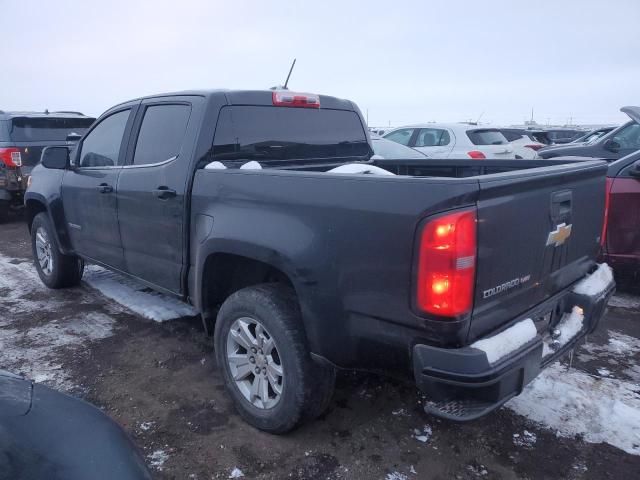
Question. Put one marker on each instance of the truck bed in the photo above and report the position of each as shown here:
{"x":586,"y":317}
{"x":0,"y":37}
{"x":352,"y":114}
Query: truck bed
{"x":352,"y":238}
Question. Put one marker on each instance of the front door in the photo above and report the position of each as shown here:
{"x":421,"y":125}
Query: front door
{"x":89,"y":191}
{"x":152,"y":190}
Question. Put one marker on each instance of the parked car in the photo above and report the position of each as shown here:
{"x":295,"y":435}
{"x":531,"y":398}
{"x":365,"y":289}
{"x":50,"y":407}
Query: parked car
{"x":47,"y":435}
{"x":391,"y":150}
{"x":621,"y":236}
{"x":558,"y":136}
{"x":525,"y":144}
{"x":22,"y":137}
{"x":616,"y":144}
{"x":592,"y":135}
{"x":454,"y":140}
{"x":229,"y":200}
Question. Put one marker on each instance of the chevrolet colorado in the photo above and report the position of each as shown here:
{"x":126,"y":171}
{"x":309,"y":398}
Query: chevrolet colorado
{"x":263,"y":209}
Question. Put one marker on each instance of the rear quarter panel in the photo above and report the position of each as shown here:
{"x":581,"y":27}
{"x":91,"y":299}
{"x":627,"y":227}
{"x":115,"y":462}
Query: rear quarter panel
{"x":346,"y":243}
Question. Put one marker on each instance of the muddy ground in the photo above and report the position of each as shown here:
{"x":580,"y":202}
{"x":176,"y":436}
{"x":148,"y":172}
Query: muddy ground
{"x":160,"y":382}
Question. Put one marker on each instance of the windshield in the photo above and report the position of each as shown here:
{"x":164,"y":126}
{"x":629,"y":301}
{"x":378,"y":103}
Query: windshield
{"x":25,"y":129}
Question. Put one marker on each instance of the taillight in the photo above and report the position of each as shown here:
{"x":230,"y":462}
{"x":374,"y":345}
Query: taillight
{"x":476,"y":154}
{"x":11,"y":157}
{"x":607,"y":201}
{"x":534,"y":146}
{"x":285,"y":98}
{"x":447,"y":264}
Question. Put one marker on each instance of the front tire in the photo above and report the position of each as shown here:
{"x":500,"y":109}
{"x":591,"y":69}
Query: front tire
{"x":262,"y":351}
{"x":55,"y":269}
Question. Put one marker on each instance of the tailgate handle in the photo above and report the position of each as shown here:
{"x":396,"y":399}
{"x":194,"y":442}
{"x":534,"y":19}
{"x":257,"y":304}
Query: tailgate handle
{"x":561,"y":205}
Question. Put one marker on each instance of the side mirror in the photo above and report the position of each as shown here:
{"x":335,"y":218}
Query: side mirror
{"x":611,"y":145}
{"x":55,"y":157}
{"x":73,"y":137}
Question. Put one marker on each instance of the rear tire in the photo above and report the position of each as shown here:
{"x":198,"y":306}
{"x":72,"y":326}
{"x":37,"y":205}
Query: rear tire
{"x":55,"y":269}
{"x":267,"y":318}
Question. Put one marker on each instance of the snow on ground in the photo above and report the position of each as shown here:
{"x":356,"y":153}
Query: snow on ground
{"x":573,"y":403}
{"x":33,"y":349}
{"x":136,"y":296}
{"x":236,"y":473}
{"x":157,"y":459}
{"x":625,"y":300}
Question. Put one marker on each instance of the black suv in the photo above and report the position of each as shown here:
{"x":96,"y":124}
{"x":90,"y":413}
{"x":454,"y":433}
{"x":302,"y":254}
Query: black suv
{"x":23,"y":135}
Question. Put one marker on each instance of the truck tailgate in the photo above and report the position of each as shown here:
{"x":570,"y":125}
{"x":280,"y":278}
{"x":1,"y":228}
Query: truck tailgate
{"x":538,"y":232}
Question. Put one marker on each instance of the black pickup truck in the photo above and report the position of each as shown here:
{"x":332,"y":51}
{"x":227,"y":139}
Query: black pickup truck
{"x":265,"y":211}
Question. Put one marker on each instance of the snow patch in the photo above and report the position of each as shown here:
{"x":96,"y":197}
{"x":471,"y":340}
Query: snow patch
{"x":508,"y":341}
{"x":157,"y":459}
{"x":252,"y":165}
{"x":146,"y":426}
{"x":595,"y":283}
{"x":236,"y":473}
{"x":527,"y":439}
{"x":422,"y":435}
{"x":396,"y":476}
{"x":569,"y":326}
{"x":136,"y":296}
{"x":215,"y":166}
{"x":360,"y":168}
{"x":574,"y":403}
{"x":625,"y":300}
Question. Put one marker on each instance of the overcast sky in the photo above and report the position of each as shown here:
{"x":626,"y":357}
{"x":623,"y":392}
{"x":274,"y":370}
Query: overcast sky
{"x":402,"y":61}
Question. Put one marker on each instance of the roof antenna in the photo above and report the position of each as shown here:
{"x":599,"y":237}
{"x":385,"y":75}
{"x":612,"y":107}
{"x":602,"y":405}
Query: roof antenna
{"x":290,"y":70}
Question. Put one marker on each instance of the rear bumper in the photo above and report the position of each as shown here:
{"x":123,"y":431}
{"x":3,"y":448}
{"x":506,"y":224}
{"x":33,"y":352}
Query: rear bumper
{"x":463,"y":385}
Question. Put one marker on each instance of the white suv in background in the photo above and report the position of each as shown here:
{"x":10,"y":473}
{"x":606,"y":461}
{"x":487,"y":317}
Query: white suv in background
{"x":454,"y":140}
{"x":525,"y":144}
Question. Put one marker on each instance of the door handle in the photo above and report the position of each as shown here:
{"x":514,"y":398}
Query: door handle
{"x":164,"y":193}
{"x":105,"y":188}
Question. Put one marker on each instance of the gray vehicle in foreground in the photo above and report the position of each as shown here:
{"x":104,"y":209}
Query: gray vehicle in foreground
{"x":465,"y":277}
{"x":47,"y":435}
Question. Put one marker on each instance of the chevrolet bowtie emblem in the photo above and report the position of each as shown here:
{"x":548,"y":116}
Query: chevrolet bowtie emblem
{"x":558,"y":236}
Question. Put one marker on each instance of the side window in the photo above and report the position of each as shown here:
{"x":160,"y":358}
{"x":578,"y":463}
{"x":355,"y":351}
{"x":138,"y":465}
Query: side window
{"x":432,"y":137}
{"x":101,"y":148}
{"x":445,"y":138}
{"x":400,"y":136}
{"x":628,"y":137}
{"x":161,"y":133}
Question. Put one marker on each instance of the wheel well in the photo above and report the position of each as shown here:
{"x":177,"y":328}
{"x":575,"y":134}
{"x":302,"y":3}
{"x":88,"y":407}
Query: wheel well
{"x":226,"y":273}
{"x":33,"y":207}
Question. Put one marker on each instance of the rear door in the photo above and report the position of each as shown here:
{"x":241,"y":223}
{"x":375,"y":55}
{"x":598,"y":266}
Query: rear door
{"x":89,"y":189}
{"x":152,"y":190}
{"x":491,"y":142}
{"x":538,"y":232}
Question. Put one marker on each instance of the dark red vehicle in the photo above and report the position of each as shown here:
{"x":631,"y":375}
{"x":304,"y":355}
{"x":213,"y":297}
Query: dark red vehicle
{"x":621,"y":234}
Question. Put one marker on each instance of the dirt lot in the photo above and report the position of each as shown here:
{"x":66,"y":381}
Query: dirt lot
{"x":160,"y":382}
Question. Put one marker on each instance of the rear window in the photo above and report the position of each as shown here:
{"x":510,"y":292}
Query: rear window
{"x":512,"y":135}
{"x":263,"y":133}
{"x":25,"y":129}
{"x":486,"y":137}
